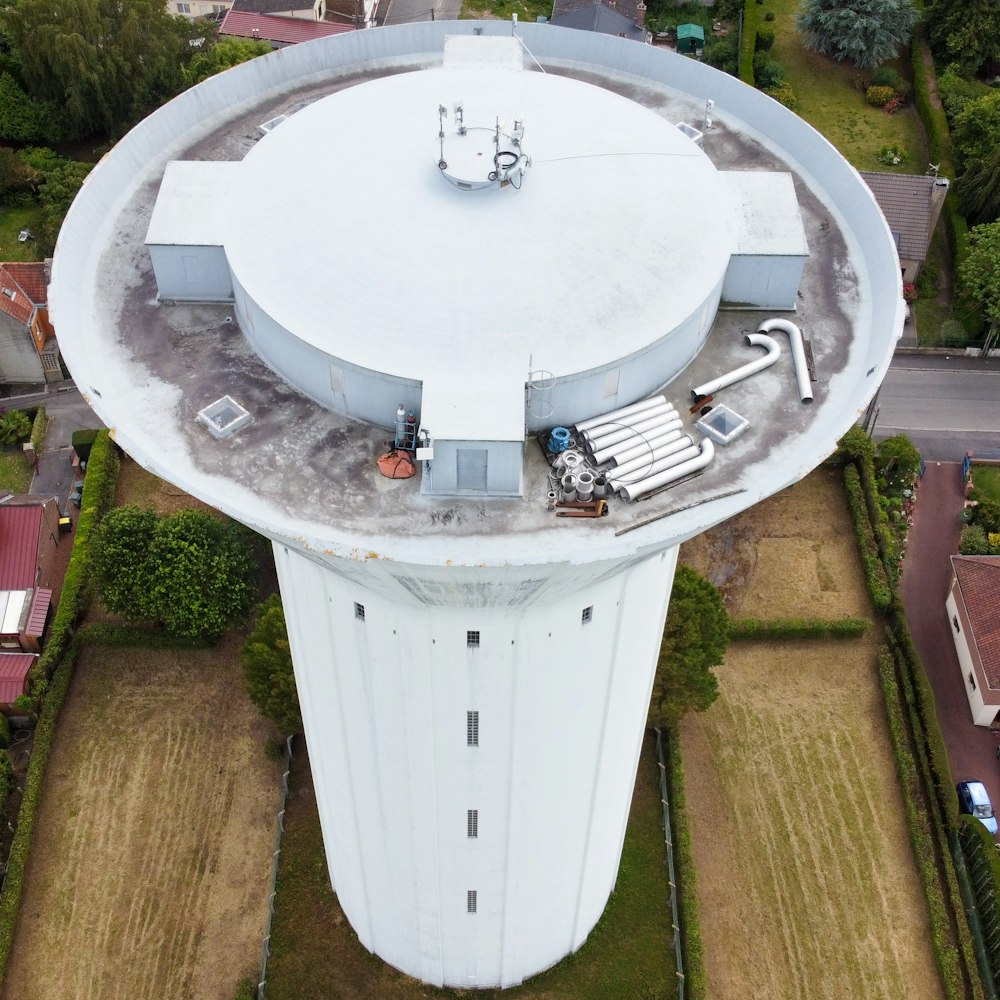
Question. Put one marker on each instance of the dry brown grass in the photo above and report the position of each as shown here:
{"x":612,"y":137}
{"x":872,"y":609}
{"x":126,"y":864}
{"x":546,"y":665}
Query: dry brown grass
{"x":807,"y":885}
{"x":149,"y":868}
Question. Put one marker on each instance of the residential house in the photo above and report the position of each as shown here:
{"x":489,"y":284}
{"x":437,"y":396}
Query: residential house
{"x":28,"y":349}
{"x":29,"y":538}
{"x":625,"y":18}
{"x":911,"y":204}
{"x":279,"y":30}
{"x":311,"y":10}
{"x":973,"y":606}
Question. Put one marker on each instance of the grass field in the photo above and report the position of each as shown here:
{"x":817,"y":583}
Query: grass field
{"x":987,"y":480}
{"x":629,"y":954}
{"x":830,"y":100}
{"x":149,"y":867}
{"x":15,"y":474}
{"x":12,"y":221}
{"x":807,"y":884}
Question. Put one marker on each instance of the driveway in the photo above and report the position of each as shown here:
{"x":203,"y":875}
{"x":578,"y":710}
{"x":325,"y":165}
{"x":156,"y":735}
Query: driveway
{"x":926,"y":577}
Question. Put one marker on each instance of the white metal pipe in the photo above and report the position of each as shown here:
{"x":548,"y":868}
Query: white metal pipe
{"x":798,"y":354}
{"x":737,"y":374}
{"x":643,"y":428}
{"x":636,"y":490}
{"x":624,"y":411}
{"x":639,"y":440}
{"x":601,"y":431}
{"x":678,"y":457}
{"x":643,"y":464}
{"x":625,"y":451}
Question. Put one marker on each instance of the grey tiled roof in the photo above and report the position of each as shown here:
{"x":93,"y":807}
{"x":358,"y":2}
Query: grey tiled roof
{"x":627,"y":8}
{"x":906,"y":201}
{"x":598,"y":17}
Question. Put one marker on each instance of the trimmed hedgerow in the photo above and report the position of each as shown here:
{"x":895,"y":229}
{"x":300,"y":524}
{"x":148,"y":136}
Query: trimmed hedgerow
{"x":695,"y":984}
{"x":871,"y":559}
{"x":38,"y":427}
{"x":17,"y":862}
{"x":102,"y":476}
{"x":798,"y":628}
{"x":748,"y":42}
{"x":983,"y":863}
{"x":921,"y":832}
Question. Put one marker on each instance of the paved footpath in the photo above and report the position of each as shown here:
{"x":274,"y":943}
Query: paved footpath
{"x":926,"y":578}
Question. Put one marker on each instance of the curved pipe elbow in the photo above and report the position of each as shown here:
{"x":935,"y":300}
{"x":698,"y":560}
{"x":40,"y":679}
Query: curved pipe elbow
{"x":633,"y":491}
{"x":744,"y":371}
{"x":802,"y":380}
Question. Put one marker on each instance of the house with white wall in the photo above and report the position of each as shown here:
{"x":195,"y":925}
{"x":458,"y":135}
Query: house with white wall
{"x":974,"y":613}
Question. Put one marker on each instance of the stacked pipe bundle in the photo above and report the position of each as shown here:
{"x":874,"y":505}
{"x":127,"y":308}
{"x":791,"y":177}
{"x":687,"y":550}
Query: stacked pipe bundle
{"x":643,"y":447}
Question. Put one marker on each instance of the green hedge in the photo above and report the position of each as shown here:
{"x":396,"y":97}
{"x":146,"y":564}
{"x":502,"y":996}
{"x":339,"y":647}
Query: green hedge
{"x":983,"y":861}
{"x":695,"y":985}
{"x":38,"y":427}
{"x":13,"y":886}
{"x":921,"y":833}
{"x":102,"y":477}
{"x":875,"y":575}
{"x":748,"y":41}
{"x":798,"y":628}
{"x":128,"y":635}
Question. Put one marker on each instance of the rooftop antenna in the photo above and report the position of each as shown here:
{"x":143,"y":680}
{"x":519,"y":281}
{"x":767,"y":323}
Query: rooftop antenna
{"x":709,"y":104}
{"x":933,"y":168}
{"x":513,"y":24}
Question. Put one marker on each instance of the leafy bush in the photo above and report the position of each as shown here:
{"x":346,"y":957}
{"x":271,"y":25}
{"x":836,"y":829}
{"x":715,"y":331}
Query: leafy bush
{"x":14,"y":426}
{"x":722,"y":54}
{"x":765,"y":39}
{"x":891,"y":156}
{"x":38,"y":428}
{"x":974,"y":542}
{"x":784,"y":94}
{"x":4,"y":732}
{"x":986,"y":514}
{"x":928,"y":281}
{"x":879,"y":97}
{"x":769,"y":16}
{"x":267,"y":666}
{"x":767,"y":72}
{"x":6,"y":776}
{"x":885,"y":77}
{"x":855,"y":444}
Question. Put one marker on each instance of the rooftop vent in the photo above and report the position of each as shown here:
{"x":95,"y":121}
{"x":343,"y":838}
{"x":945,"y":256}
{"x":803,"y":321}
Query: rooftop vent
{"x":691,"y":132}
{"x":722,"y":425}
{"x":224,"y":417}
{"x":271,"y":124}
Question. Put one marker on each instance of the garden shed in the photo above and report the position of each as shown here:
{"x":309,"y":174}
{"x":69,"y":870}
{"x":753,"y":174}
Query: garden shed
{"x":690,"y":38}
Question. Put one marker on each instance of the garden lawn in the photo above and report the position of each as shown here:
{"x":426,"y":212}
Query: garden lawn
{"x":830,"y":99}
{"x":987,"y":482}
{"x":316,"y":955}
{"x":15,"y":473}
{"x":526,"y":10}
{"x":12,"y":221}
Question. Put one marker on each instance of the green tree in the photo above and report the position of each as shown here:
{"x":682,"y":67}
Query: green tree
{"x":855,"y":444}
{"x":120,"y":560}
{"x":14,"y":426}
{"x":224,"y":54}
{"x":58,"y":191}
{"x":979,"y":273}
{"x":106,"y":61}
{"x":975,"y":135}
{"x":867,"y":33}
{"x":898,"y":459}
{"x":204,"y":572}
{"x":694,"y":641}
{"x":974,"y":542}
{"x":267,"y":664}
{"x":965,"y":33}
{"x":20,"y":117}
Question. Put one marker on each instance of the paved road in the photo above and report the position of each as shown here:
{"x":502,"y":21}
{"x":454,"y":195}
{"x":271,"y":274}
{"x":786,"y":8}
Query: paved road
{"x":946,"y":405}
{"x":407,"y":11}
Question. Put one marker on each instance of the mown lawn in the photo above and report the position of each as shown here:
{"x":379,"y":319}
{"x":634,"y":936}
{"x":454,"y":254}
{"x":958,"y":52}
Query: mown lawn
{"x":830,"y":99}
{"x":987,"y":480}
{"x":12,"y":221}
{"x":15,"y":474}
{"x":628,"y":955}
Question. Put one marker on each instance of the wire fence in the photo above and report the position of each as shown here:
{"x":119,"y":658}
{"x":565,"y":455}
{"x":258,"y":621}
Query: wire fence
{"x":671,"y":876}
{"x":265,"y":951}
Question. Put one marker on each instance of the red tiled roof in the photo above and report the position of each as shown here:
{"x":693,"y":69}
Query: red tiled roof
{"x":19,"y":530}
{"x":273,"y":28}
{"x":39,"y":612}
{"x":30,"y":275}
{"x":13,"y":299}
{"x":979,"y":582}
{"x":14,"y":669}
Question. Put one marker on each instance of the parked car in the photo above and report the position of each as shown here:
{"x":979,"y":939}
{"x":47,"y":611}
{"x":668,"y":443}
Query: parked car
{"x":974,"y":800}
